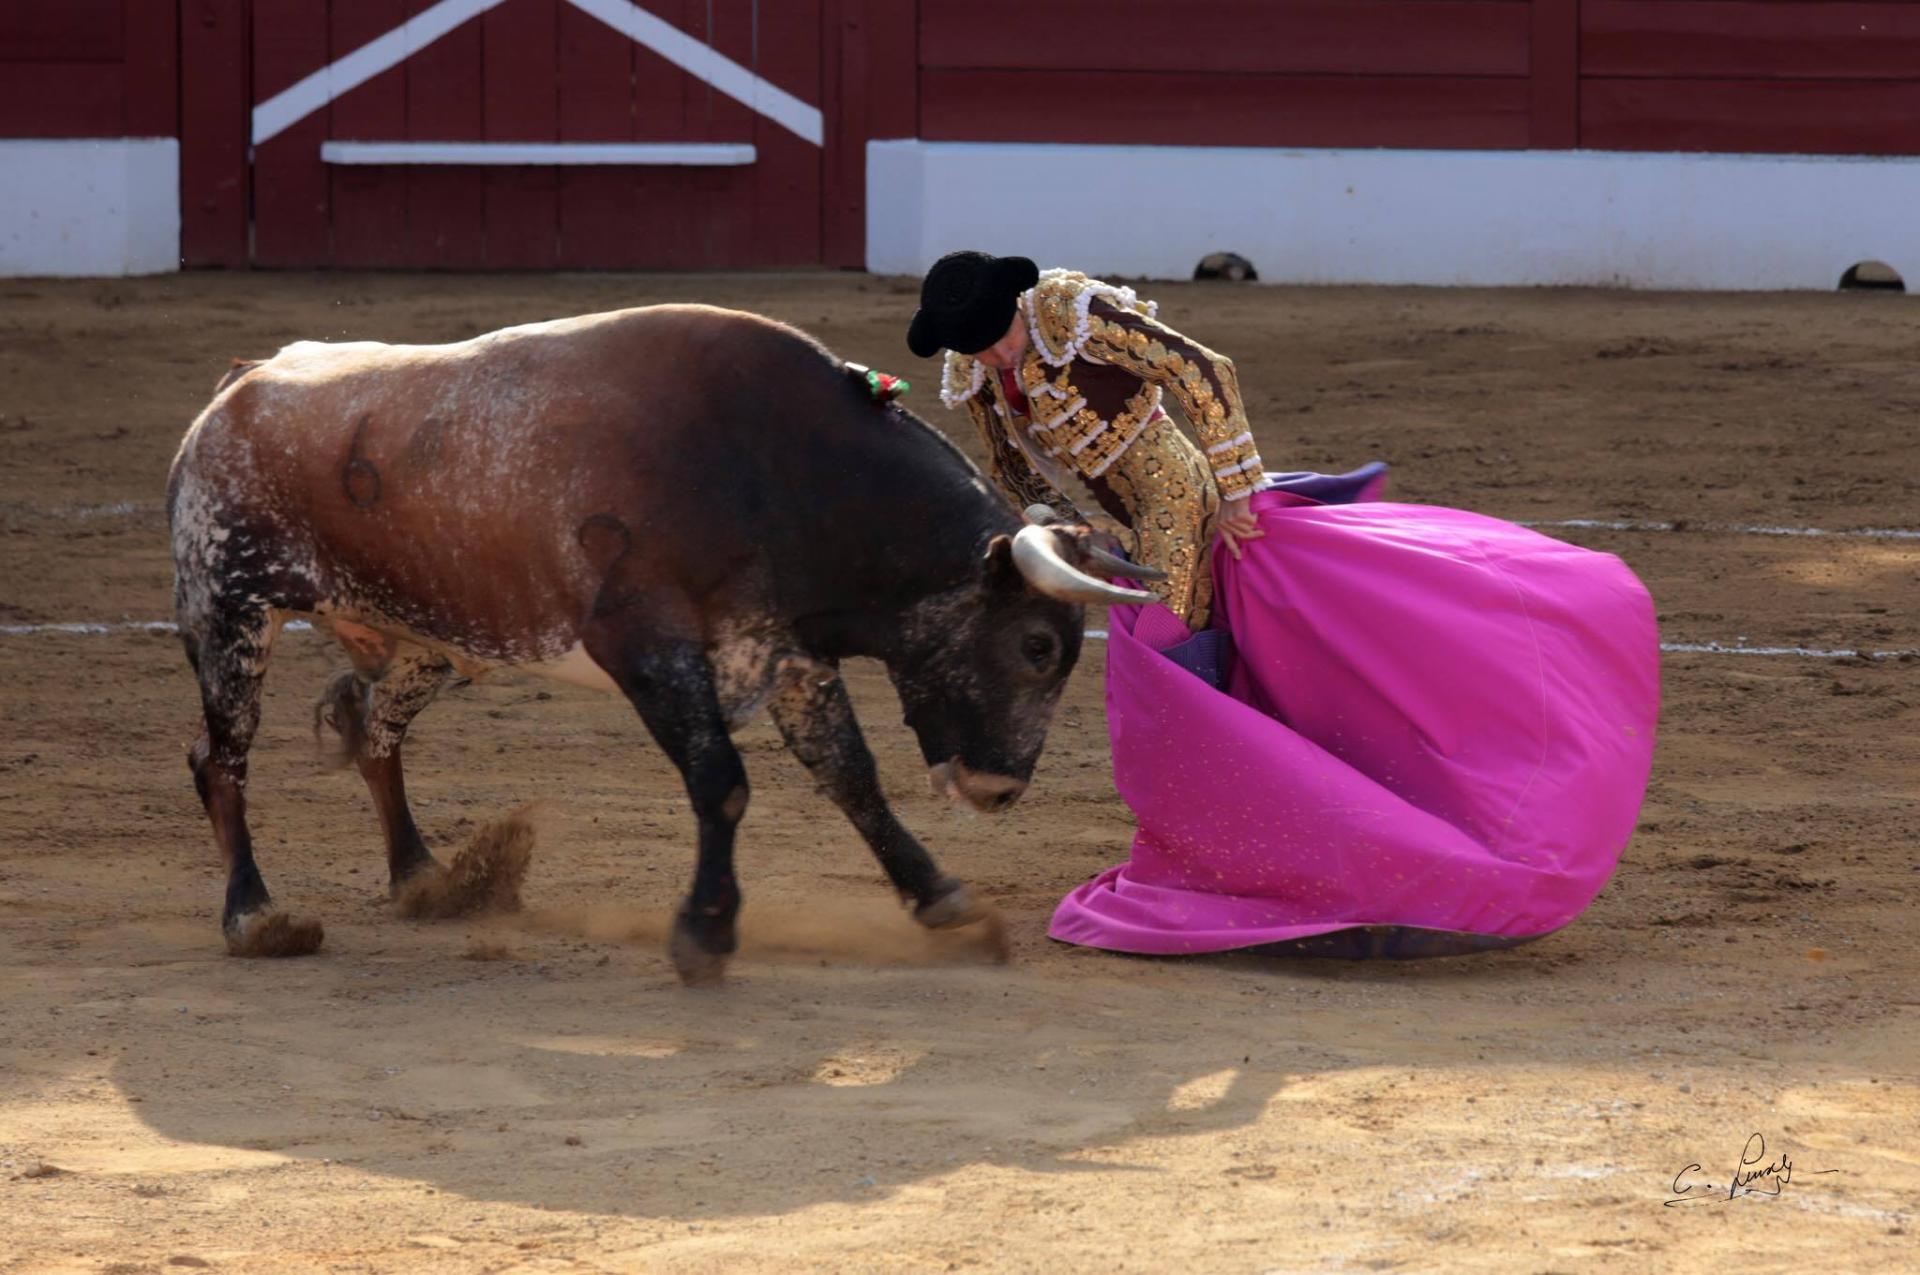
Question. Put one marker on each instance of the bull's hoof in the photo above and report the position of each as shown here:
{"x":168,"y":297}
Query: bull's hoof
{"x":273,"y":934}
{"x":414,"y":875}
{"x":484,"y":877}
{"x":700,"y":950}
{"x":426,"y":893}
{"x":957,"y":909}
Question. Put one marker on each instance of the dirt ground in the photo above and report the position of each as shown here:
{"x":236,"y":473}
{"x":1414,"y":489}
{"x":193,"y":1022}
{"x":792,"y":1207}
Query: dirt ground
{"x":539,"y":1094}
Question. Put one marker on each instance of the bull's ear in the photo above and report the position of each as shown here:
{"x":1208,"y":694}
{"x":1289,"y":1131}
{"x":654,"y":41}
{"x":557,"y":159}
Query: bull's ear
{"x":1000,"y":567}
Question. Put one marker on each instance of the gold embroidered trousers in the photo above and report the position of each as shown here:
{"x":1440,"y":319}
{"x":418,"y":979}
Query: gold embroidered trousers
{"x":1163,"y":489}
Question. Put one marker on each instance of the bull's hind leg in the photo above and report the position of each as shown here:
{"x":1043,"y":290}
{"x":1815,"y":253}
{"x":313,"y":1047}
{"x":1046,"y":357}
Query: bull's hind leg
{"x":369,"y":708}
{"x":816,"y":719}
{"x":671,"y":686}
{"x":228,"y":649}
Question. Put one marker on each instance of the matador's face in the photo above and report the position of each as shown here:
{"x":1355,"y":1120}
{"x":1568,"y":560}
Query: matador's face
{"x":1006,"y":352}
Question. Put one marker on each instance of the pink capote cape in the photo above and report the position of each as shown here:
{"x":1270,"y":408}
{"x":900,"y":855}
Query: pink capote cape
{"x":1435,"y":719}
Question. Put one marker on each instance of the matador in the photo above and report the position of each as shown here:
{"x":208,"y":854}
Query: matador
{"x":1065,"y":375}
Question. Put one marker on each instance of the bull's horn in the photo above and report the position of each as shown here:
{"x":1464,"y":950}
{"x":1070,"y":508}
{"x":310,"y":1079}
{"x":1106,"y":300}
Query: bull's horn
{"x":1036,"y":552}
{"x":1117,"y":566}
{"x":1039,"y":515}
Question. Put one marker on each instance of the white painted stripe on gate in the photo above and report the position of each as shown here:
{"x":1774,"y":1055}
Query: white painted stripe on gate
{"x":696,"y":154}
{"x":288,"y":107}
{"x":700,"y":60}
{"x":1732,"y":528}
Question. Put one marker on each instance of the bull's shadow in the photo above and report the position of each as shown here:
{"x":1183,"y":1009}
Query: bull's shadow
{"x":563,"y":1083}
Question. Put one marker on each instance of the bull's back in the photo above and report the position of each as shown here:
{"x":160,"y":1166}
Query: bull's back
{"x":476,"y":493}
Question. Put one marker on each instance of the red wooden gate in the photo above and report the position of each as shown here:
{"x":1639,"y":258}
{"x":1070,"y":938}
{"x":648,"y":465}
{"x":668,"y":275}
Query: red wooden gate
{"x":715,"y":102}
{"x":806,"y":83}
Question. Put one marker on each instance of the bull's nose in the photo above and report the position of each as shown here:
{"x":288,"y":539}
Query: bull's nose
{"x":981,"y":791}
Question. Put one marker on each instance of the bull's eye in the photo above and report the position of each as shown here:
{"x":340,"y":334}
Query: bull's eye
{"x":1038,"y":648}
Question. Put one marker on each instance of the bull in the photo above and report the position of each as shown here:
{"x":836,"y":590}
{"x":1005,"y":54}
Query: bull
{"x":702,"y":510}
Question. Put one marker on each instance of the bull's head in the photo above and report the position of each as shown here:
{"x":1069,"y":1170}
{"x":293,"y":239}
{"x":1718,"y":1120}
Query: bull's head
{"x":982,"y":666}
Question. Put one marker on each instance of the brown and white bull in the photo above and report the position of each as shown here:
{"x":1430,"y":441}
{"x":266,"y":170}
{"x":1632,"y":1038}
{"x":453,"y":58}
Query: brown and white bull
{"x":701,"y":509}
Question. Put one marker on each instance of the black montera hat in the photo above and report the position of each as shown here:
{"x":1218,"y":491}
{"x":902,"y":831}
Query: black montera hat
{"x":967,"y":301}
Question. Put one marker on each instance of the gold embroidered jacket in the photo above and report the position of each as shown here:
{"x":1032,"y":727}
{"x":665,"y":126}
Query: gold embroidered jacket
{"x":1095,"y":368}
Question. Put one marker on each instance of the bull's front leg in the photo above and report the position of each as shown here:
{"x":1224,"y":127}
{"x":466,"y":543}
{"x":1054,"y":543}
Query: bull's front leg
{"x":671,"y":686}
{"x":811,"y":708}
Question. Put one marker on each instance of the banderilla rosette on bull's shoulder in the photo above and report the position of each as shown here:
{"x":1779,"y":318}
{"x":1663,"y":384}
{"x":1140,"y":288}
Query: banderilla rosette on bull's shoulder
{"x":882,"y":387}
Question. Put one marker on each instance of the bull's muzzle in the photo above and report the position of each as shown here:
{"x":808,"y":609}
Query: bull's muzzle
{"x":952,"y":780}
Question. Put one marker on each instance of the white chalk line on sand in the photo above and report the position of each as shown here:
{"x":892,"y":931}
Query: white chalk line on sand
{"x":86,"y":628}
{"x":1804,"y":652}
{"x":1725,"y":648}
{"x":119,"y":509}
{"x":1722,"y":528}
{"x":89,"y":628}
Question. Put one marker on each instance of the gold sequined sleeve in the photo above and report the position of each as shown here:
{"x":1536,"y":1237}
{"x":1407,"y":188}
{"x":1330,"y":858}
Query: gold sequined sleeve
{"x":1010,"y":469}
{"x":1205,"y":383}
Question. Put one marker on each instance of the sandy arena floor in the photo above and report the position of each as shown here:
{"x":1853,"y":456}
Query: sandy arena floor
{"x":539,"y":1094}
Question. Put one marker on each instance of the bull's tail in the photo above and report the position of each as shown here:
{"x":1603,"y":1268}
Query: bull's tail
{"x":338,"y":733}
{"x":238,"y":369}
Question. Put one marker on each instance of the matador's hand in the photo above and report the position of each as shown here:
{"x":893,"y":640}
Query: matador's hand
{"x":1236,"y":523}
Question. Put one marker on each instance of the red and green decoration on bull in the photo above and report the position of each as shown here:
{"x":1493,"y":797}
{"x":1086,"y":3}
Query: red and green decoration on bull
{"x":882,"y":387}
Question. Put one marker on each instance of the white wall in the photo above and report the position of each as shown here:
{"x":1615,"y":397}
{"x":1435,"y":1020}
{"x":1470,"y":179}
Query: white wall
{"x":89,"y":206}
{"x":1399,"y":217}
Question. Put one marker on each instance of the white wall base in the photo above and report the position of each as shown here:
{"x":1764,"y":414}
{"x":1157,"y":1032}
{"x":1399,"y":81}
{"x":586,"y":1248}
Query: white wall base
{"x":1477,"y":218}
{"x":89,"y":206}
